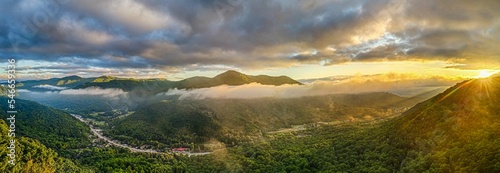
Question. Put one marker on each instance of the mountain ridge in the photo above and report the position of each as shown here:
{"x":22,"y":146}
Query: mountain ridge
{"x":455,"y":131}
{"x":232,"y":77}
{"x":156,"y":85}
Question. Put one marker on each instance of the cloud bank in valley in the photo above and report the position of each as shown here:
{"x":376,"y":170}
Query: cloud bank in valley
{"x":50,"y":87}
{"x":402,"y":84}
{"x":92,"y":91}
{"x":89,"y":99}
{"x":108,"y":92}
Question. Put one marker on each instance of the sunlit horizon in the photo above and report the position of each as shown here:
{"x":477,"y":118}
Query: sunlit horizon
{"x":486,"y":73}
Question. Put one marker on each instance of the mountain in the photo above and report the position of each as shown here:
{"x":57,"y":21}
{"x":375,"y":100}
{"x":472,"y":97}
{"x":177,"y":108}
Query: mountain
{"x":69,"y":80}
{"x":32,"y":156}
{"x":169,"y":123}
{"x":232,"y":77}
{"x":43,"y":136}
{"x":138,"y":85}
{"x":3,"y":90}
{"x":54,"y":128}
{"x":54,"y":83}
{"x":152,"y":86}
{"x":75,"y":82}
{"x":420,"y":97}
{"x":455,"y":131}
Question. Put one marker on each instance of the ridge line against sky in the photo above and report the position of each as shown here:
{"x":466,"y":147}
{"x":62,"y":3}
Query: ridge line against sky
{"x":300,"y":39}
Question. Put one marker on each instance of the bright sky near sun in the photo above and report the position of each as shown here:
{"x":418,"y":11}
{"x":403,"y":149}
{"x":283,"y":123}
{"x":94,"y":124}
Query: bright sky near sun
{"x":432,"y":68}
{"x":301,"y":39}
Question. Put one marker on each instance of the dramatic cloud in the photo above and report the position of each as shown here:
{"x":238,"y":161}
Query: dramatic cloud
{"x":176,"y":35}
{"x":402,"y":84}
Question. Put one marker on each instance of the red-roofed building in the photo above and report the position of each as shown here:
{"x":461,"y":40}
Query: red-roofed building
{"x":179,"y":150}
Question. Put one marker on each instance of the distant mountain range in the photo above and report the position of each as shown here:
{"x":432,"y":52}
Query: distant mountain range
{"x":230,"y":77}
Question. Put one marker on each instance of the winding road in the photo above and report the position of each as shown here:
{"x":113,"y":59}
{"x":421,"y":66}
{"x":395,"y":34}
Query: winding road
{"x":134,"y":150}
{"x":111,"y":141}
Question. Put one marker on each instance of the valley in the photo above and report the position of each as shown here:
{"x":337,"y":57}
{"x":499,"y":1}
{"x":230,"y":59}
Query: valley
{"x":336,"y":132}
{"x":115,"y":143}
{"x":97,"y":133}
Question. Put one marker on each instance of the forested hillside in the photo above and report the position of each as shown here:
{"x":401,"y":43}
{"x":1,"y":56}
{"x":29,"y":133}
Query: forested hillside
{"x":232,"y":120}
{"x":168,"y":123}
{"x":3,"y":90}
{"x":232,"y":77}
{"x":456,"y":131}
{"x":137,"y":85}
{"x":54,"y":128}
{"x":33,"y":156}
{"x":65,"y":82}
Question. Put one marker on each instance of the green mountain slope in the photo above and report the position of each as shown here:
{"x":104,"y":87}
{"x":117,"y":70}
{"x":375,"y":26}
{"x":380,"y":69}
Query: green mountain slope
{"x":169,"y":123}
{"x":137,"y":85}
{"x":269,"y":114}
{"x":4,"y":90}
{"x":32,"y":156}
{"x":232,"y":77}
{"x":54,"y":128}
{"x":455,"y":131}
{"x":65,"y":82}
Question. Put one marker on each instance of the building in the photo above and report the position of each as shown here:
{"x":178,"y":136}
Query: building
{"x":179,"y":150}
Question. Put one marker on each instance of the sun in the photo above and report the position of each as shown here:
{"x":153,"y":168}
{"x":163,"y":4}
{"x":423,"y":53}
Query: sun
{"x":484,"y":74}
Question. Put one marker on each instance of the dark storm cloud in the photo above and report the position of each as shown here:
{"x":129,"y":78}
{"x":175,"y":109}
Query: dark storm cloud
{"x":248,"y":34}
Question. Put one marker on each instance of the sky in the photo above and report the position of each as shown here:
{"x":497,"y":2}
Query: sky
{"x":306,"y":40}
